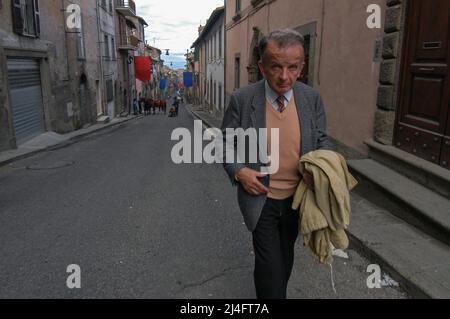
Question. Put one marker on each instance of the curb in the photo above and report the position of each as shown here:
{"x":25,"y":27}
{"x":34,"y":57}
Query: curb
{"x":70,"y":141}
{"x":412,"y":290}
{"x":206,"y":122}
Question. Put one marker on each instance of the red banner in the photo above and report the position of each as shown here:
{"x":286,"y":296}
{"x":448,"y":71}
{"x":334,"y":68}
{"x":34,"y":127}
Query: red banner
{"x":143,"y":67}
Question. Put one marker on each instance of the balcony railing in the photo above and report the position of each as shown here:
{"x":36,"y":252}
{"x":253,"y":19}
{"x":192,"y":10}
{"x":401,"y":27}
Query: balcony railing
{"x":126,"y":7}
{"x":128,"y":42}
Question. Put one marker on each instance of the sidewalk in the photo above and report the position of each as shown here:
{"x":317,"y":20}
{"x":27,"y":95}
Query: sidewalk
{"x":50,"y":140}
{"x":208,"y":119}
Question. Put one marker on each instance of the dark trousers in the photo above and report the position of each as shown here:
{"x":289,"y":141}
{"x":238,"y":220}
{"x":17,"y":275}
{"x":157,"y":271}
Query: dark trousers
{"x":274,"y":240}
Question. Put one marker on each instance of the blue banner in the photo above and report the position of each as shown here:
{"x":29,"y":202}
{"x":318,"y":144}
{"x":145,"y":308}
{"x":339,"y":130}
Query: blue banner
{"x":188,"y":79}
{"x":162,"y":84}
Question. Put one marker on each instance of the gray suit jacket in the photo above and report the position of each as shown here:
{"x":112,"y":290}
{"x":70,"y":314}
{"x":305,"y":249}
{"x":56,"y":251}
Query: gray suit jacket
{"x":247,"y":109}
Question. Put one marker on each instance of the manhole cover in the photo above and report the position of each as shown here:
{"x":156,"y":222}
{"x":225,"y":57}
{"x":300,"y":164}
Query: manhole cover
{"x":48,"y":166}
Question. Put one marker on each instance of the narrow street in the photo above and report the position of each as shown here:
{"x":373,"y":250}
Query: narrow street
{"x":139,"y":226}
{"x":93,"y":204}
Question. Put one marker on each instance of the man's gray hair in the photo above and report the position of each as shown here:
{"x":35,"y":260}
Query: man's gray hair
{"x":283,"y":38}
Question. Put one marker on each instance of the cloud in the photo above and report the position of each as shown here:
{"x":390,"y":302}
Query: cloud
{"x":180,"y":24}
{"x":174,"y":23}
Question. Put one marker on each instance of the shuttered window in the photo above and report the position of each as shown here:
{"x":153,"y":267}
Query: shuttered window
{"x":238,"y":6}
{"x":26,"y":18}
{"x":106,"y":54}
{"x":37,"y":17}
{"x":113,"y":48}
{"x":220,"y":43}
{"x":220,"y":97}
{"x":17,"y":17}
{"x":81,"y":50}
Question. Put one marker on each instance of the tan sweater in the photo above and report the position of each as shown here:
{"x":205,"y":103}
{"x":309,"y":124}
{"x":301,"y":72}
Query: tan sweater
{"x":284,"y":183}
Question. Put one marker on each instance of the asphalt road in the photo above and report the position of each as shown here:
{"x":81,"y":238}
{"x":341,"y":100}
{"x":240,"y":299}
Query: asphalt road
{"x":139,"y":226}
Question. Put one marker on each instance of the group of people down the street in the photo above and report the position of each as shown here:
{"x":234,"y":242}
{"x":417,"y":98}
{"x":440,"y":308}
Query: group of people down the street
{"x":156,"y":106}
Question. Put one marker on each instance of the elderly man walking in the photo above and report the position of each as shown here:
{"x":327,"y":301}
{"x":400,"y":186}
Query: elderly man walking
{"x":277,"y":102}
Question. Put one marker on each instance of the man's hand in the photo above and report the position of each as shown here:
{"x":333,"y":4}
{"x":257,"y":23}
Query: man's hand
{"x":309,"y":180}
{"x":249,"y":180}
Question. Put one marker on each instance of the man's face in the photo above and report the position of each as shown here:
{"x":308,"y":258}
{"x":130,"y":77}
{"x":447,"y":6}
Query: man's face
{"x":282,"y":67}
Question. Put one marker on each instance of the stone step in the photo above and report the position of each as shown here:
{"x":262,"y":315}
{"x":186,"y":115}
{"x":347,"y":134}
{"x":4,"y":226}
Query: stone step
{"x":420,"y":263}
{"x":412,"y":202}
{"x":423,"y":172}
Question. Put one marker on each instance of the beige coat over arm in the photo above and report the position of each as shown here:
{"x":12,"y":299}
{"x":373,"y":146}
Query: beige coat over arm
{"x":325,"y":212}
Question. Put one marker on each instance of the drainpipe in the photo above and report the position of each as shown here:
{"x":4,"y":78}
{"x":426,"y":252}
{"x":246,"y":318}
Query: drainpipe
{"x":63,"y":10}
{"x":102,"y":84}
{"x":70,"y":84}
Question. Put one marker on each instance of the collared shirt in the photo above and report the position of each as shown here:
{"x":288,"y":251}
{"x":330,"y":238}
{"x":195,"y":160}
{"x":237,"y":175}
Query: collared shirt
{"x":272,"y":96}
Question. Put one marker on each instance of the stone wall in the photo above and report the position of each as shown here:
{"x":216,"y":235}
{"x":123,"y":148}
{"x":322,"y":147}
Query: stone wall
{"x":387,"y":100}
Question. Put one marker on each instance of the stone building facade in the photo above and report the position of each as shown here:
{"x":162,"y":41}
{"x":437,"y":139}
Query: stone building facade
{"x":50,"y":72}
{"x":412,"y":120}
{"x":127,"y":44}
{"x":341,"y":59}
{"x":157,"y":72}
{"x":141,"y":24}
{"x":107,"y":38}
{"x":386,"y":86}
{"x":190,"y":67}
{"x":212,"y":41}
{"x":200,"y":62}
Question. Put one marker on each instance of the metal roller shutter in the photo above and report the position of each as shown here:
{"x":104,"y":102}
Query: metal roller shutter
{"x":24,"y":78}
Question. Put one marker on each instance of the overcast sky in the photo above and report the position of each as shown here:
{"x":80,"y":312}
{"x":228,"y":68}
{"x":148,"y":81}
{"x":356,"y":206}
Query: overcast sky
{"x":174,"y":23}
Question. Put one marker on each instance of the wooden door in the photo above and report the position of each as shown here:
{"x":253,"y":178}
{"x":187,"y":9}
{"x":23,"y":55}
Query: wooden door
{"x":423,"y":118}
